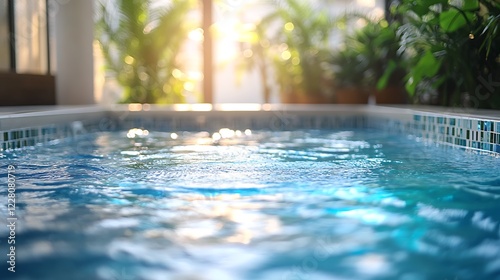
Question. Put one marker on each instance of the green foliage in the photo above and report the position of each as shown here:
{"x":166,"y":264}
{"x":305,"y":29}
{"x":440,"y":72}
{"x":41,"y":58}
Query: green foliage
{"x":427,"y":67}
{"x":300,"y":46}
{"x":452,"y":48}
{"x":350,"y":68}
{"x":370,"y":56}
{"x":140,"y":44}
{"x":453,"y":20}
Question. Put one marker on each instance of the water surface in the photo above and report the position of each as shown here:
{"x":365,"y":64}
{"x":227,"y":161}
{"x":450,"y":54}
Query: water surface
{"x":257,"y":205}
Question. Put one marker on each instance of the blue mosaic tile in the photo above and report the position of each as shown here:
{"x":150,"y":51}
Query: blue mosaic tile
{"x":487,"y":126}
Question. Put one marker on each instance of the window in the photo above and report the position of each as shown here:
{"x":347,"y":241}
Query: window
{"x":4,"y":37}
{"x":31,"y":36}
{"x":24,"y":54}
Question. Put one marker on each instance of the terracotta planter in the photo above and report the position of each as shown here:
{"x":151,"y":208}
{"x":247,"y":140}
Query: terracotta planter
{"x":351,"y":95}
{"x":391,"y":95}
{"x":305,"y":98}
{"x":288,"y":98}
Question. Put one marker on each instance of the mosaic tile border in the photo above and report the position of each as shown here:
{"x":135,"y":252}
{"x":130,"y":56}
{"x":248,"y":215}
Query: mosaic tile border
{"x":28,"y":137}
{"x":18,"y":131}
{"x":476,"y":134}
{"x":468,"y":133}
{"x":473,"y":134}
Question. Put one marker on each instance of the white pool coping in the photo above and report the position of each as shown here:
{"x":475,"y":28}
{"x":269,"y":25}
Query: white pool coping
{"x":39,"y":111}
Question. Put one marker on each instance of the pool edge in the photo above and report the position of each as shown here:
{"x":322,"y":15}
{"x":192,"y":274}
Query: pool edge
{"x":474,"y":131}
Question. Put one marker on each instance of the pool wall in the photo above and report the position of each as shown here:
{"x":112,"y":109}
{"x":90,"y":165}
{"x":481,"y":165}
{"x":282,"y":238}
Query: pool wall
{"x":477,"y":131}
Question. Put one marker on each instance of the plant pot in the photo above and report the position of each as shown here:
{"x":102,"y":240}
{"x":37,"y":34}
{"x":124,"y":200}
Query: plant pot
{"x":351,"y":95}
{"x":305,"y":98}
{"x":315,"y":99}
{"x":391,"y":95}
{"x":288,"y":98}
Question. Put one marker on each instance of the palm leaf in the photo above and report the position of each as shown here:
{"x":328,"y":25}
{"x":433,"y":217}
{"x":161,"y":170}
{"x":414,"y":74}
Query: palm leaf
{"x":140,"y":43}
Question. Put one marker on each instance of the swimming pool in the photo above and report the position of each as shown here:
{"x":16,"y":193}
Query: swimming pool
{"x":253,"y":204}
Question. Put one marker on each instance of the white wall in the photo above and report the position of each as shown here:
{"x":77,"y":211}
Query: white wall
{"x":74,"y":30}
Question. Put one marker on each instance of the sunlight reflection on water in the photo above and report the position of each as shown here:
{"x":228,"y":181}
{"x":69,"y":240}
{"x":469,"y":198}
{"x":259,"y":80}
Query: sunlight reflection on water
{"x":257,"y":205}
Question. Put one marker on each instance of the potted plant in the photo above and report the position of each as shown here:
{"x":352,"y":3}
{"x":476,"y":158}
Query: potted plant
{"x":349,"y":72}
{"x":140,"y":44}
{"x":453,"y":49}
{"x":369,"y":63}
{"x":299,"y":51}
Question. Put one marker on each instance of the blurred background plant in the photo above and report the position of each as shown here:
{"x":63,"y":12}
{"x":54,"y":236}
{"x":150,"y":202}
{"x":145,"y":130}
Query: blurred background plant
{"x":438,"y":51}
{"x":301,"y":51}
{"x":350,"y":71}
{"x":254,"y":47}
{"x":453,"y":51}
{"x":140,"y":43}
{"x":293,"y":41}
{"x":369,"y":61}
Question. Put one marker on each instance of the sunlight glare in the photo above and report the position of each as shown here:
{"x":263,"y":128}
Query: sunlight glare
{"x":196,"y":35}
{"x":286,"y":55}
{"x":216,"y":137}
{"x":226,"y":133}
{"x":177,"y":74}
{"x":189,"y":86}
{"x":195,"y":75}
{"x":137,"y":132}
{"x":129,"y":60}
{"x":135,"y":107}
{"x":367,"y":3}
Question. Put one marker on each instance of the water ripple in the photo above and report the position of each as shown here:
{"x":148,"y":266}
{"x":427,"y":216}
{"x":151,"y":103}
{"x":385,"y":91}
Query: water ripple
{"x":261,"y":205}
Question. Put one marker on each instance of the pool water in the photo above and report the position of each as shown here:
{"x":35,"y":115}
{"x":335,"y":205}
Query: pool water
{"x":308,"y":204}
